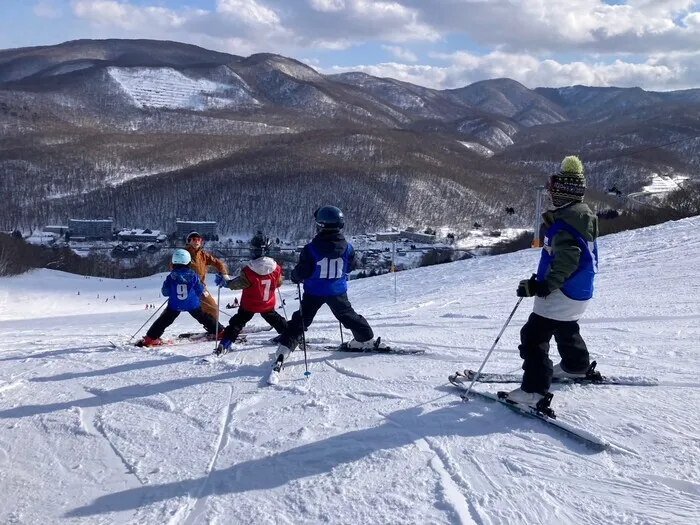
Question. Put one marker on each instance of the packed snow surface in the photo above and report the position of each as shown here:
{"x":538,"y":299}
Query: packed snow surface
{"x":93,"y":434}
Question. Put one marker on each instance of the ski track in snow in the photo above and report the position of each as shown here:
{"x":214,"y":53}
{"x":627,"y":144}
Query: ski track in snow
{"x":191,"y":515}
{"x":98,"y":427}
{"x":348,"y":372}
{"x":132,"y":435}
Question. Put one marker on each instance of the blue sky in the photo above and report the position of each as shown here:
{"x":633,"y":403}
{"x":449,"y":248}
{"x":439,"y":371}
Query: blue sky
{"x":654,"y":44}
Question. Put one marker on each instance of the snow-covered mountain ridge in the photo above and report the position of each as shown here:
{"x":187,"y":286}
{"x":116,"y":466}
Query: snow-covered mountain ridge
{"x":90,"y":433}
{"x":113,"y":126}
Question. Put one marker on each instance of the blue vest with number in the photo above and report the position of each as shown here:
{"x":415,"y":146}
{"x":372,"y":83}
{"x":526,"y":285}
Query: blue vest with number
{"x":579,"y":285}
{"x":330,"y":276}
{"x":182,"y":288}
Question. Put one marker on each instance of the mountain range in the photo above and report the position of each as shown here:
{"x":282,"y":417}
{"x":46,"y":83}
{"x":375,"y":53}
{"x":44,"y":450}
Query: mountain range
{"x":149,"y":131}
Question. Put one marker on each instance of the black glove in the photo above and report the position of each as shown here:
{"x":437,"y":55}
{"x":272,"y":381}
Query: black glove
{"x":531,"y":286}
{"x":295,"y":278}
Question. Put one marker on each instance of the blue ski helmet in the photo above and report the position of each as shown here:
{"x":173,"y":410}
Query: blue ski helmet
{"x":329,"y":218}
{"x":181,"y":256}
{"x":260,"y":245}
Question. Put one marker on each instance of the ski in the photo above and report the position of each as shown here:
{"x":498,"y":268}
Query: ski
{"x":593,"y":377}
{"x":386,"y":351}
{"x":376,"y":349}
{"x":177,"y":341}
{"x":255,"y":329}
{"x":204,"y":336}
{"x":544,"y":413}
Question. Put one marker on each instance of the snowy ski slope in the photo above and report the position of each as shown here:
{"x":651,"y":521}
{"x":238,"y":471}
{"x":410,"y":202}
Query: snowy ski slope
{"x":90,"y":434}
{"x":168,"y":88}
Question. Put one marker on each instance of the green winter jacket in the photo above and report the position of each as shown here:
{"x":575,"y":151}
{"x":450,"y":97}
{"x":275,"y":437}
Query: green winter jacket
{"x":565,"y":247}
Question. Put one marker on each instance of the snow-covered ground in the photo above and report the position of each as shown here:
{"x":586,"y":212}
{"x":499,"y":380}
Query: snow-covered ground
{"x":91,"y":434}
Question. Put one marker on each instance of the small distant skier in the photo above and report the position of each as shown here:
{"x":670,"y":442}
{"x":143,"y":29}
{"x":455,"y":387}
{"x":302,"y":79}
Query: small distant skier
{"x":323,"y":267}
{"x":183,"y":289}
{"x":200,"y":261}
{"x":562,"y":286}
{"x":259,"y":280}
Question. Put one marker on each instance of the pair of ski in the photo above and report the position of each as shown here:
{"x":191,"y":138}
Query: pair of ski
{"x":543,"y":410}
{"x":195,"y":337}
{"x":189,"y":339}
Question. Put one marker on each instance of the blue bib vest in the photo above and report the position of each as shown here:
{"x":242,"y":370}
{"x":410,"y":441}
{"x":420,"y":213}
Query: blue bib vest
{"x":330,"y":276}
{"x":579,"y":285}
{"x":183,"y":288}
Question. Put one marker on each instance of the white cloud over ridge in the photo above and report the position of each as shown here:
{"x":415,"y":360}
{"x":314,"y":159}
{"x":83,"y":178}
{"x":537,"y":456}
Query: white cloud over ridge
{"x":650,"y":43}
{"x":401,"y":53}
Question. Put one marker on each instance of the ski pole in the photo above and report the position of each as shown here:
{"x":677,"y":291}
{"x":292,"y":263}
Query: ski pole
{"x":464,"y":396}
{"x":340,"y":325}
{"x":303,"y":335}
{"x":218,"y":302}
{"x":284,"y":310}
{"x":144,"y":324}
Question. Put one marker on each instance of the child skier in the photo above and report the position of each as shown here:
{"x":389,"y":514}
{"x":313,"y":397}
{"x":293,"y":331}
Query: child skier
{"x":563,"y":286}
{"x":259,"y":280}
{"x":323,"y":267}
{"x":183,"y":289}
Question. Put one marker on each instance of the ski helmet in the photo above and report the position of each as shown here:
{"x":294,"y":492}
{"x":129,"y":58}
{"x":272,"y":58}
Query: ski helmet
{"x":260,"y":245}
{"x":181,"y":256}
{"x":329,"y":218}
{"x":193,"y":235}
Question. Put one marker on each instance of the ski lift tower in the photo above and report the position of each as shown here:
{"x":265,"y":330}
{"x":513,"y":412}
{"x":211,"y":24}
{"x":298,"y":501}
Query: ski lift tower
{"x":540,"y":195}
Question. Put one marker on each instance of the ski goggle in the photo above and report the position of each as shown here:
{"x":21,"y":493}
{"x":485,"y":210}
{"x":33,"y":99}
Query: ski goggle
{"x":195,"y":239}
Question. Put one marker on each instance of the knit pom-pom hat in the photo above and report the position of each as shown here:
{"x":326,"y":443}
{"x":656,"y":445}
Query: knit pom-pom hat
{"x":569,"y":185}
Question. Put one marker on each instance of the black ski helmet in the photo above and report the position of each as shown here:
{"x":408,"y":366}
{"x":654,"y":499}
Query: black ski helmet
{"x":260,"y":245}
{"x":329,"y":218}
{"x":193,"y":235}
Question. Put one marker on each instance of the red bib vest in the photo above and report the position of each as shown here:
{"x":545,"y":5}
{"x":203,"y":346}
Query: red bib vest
{"x":260,"y":295}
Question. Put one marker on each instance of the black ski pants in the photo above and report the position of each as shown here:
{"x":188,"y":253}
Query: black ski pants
{"x":534,"y":349}
{"x":340,"y":307}
{"x":240,"y":318}
{"x":168,"y":317}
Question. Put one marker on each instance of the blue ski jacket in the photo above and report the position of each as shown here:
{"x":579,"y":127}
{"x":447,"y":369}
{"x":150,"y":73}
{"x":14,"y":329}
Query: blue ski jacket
{"x":182,"y":287}
{"x":324,"y":264}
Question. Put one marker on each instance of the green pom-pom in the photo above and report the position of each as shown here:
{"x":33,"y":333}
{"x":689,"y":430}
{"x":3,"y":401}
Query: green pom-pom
{"x":571,"y":164}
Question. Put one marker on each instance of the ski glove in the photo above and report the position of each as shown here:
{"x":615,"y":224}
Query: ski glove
{"x":221,"y":280}
{"x":531,"y":286}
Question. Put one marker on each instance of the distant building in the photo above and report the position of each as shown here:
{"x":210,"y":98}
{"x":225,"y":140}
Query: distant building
{"x":135,"y":235}
{"x":419,"y":237}
{"x":42,"y":238}
{"x":60,"y":230}
{"x":90,"y":229}
{"x":207,"y":229}
{"x":388,"y":236}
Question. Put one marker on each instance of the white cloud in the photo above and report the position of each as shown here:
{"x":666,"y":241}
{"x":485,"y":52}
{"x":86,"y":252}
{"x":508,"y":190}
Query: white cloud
{"x":127,"y":16}
{"x":277,"y":24}
{"x":47,"y":9}
{"x":401,"y":53}
{"x":249,"y":12}
{"x":327,"y":6}
{"x":652,"y":43}
{"x":661,"y":73}
{"x":639,"y":26}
